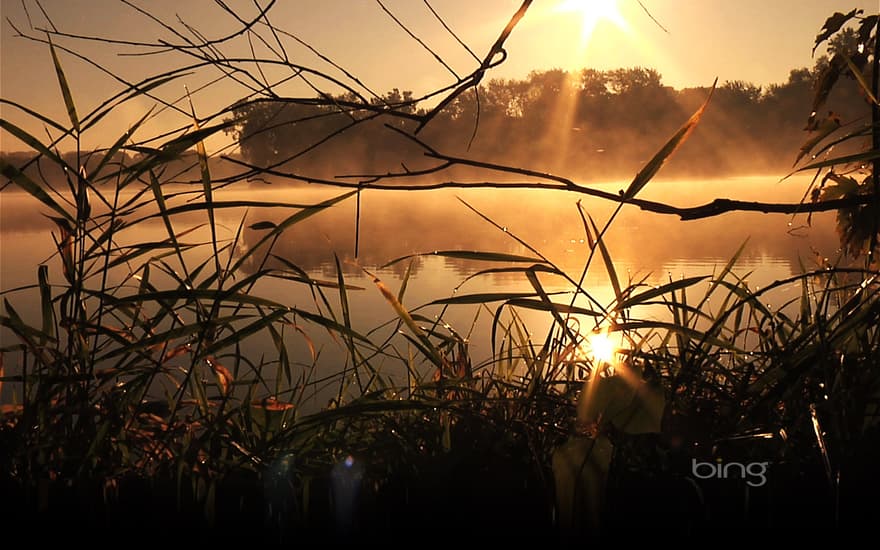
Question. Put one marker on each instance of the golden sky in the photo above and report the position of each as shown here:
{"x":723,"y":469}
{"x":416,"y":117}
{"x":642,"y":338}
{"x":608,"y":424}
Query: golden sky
{"x":754,"y":40}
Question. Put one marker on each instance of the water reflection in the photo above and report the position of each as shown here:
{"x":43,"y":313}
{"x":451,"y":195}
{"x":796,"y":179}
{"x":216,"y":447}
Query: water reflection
{"x":395,"y":224}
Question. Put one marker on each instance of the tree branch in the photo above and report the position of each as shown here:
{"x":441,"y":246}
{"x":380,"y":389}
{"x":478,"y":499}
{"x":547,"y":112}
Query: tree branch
{"x":489,"y":62}
{"x":708,"y":210}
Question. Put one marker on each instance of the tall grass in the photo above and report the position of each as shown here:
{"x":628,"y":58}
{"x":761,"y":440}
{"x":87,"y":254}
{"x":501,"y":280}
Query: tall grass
{"x":136,"y":367}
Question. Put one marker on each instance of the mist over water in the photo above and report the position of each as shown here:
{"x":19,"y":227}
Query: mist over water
{"x":645,"y":247}
{"x":399,"y":223}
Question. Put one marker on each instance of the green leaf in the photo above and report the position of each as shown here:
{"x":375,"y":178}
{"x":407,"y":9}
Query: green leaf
{"x":728,"y":267}
{"x":677,"y":329}
{"x":820,"y":131}
{"x":543,"y":268}
{"x":172,"y":149}
{"x":346,"y":319}
{"x":207,"y":186}
{"x":549,"y":306}
{"x":483,"y":298}
{"x":239,"y":334}
{"x":824,"y":83}
{"x":134,"y":91}
{"x":156,"y":340}
{"x":219,"y":205}
{"x":65,"y":89}
{"x":405,"y":281}
{"x":555,"y":311}
{"x":867,"y":25}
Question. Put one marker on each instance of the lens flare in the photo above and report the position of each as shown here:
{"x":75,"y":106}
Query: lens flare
{"x":601,"y":347}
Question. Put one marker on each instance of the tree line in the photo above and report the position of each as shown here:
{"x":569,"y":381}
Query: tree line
{"x":588,"y":124}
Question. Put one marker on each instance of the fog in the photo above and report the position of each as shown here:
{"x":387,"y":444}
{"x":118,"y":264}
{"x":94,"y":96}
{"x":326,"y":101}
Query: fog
{"x":587,"y":125}
{"x":399,"y":223}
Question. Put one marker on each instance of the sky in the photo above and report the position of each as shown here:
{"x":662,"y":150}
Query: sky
{"x":691,"y":43}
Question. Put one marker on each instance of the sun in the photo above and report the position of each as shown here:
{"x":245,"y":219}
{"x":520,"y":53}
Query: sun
{"x":602,"y":347}
{"x":593,"y":12}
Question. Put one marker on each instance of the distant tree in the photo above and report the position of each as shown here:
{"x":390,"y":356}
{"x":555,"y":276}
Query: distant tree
{"x":634,"y":80}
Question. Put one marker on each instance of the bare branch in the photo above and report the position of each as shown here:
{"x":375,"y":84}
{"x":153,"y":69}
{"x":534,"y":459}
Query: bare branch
{"x":246,"y":26}
{"x":708,"y":210}
{"x":654,"y":19}
{"x":491,"y":60}
{"x":417,"y":39}
{"x":450,"y":31}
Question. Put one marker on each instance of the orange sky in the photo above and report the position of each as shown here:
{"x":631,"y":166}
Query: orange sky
{"x":753,"y":40}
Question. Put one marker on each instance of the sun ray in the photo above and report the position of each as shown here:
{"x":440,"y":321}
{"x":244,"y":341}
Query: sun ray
{"x":592,"y":13}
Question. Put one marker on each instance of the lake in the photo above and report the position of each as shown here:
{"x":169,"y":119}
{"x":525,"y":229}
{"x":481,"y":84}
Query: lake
{"x":393,"y":224}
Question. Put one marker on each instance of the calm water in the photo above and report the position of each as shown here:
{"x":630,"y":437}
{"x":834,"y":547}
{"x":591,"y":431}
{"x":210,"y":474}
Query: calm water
{"x":395,"y":224}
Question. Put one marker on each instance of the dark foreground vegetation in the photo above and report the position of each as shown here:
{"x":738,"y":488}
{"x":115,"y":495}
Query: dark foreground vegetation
{"x":136,"y":411}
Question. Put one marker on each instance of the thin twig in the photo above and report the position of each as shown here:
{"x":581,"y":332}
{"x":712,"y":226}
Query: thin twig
{"x":417,"y":39}
{"x":652,"y":17}
{"x":450,"y":31}
{"x":491,"y":60}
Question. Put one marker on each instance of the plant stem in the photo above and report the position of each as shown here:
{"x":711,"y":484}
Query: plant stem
{"x":875,"y":142}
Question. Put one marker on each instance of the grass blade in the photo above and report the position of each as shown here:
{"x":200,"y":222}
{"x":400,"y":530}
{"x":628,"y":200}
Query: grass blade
{"x":36,"y":191}
{"x":65,"y":88}
{"x":424,"y":343}
{"x":36,"y":115}
{"x":111,"y":152}
{"x":292,"y":220}
{"x":660,"y":291}
{"x":845,"y":159}
{"x":470,"y":255}
{"x":46,"y":304}
{"x":657,"y":162}
{"x":207,"y":187}
{"x":609,"y":263}
{"x":33,"y":143}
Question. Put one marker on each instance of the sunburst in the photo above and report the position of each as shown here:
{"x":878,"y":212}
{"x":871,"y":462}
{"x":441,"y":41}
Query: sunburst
{"x":592,"y":13}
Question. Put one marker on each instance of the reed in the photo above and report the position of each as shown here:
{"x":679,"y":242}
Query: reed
{"x":136,"y":369}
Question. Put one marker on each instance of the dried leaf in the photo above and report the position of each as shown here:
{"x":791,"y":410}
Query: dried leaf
{"x":833,"y":24}
{"x":856,"y":71}
{"x":867,"y":25}
{"x":828,"y":125}
{"x":272,"y":404}
{"x":179,"y":350}
{"x":224,"y":377}
{"x":824,"y":83}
